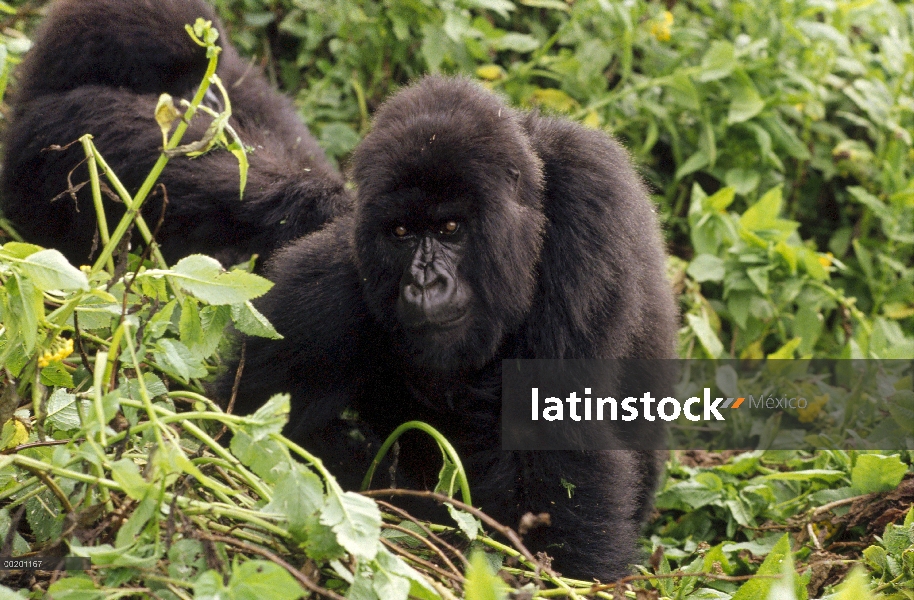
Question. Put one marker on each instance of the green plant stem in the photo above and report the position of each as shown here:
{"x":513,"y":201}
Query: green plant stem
{"x":132,"y":212}
{"x":191,"y":506}
{"x":167,"y":416}
{"x":309,"y":458}
{"x":446,"y":448}
{"x":89,"y":148}
{"x":133,"y":207}
{"x":158,"y":427}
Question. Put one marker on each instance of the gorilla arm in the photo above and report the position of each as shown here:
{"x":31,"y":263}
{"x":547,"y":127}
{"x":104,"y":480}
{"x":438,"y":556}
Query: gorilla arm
{"x":317,"y":306}
{"x":615,"y":302}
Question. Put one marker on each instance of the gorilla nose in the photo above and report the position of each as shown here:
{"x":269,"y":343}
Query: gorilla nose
{"x":430,"y":298}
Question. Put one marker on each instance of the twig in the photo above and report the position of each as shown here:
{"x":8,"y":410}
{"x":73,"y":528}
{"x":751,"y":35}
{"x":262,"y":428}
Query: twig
{"x":506,"y":531}
{"x":827,"y":507}
{"x":51,"y":485}
{"x":79,"y":345}
{"x":298,"y":575}
{"x":428,"y":532}
{"x":235,"y":385}
{"x":677,"y":575}
{"x":431,"y":547}
{"x":17,"y":449}
{"x":428,"y":565}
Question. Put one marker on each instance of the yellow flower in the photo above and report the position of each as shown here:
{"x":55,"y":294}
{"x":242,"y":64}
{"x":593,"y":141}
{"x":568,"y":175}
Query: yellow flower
{"x":812,"y":410}
{"x":825,"y":261}
{"x":60,"y":349}
{"x":661,"y":28}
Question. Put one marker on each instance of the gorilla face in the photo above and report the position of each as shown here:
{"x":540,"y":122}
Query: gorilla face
{"x":433,"y":296}
{"x":449,"y":225}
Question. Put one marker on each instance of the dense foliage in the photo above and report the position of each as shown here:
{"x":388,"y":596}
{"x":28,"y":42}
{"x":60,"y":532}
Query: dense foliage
{"x":777,"y":138}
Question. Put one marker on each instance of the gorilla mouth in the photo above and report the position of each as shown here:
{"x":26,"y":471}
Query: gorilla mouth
{"x":434,"y":323}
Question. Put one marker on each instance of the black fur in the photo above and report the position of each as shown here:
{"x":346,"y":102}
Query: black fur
{"x":98,"y":66}
{"x":559,"y":256}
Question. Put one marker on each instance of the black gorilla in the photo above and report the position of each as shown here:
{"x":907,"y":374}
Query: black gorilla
{"x":98,"y":66}
{"x":480,"y":233}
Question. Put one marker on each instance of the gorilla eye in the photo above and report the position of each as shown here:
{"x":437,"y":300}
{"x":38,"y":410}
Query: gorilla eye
{"x":400,"y":231}
{"x":450,"y":227}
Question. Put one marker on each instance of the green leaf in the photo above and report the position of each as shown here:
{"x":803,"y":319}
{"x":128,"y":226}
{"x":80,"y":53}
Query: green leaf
{"x":26,"y":307}
{"x":140,"y":516}
{"x":213,"y":320}
{"x":265,"y":457}
{"x":209,"y":586}
{"x":718,"y":62}
{"x":518,"y":42}
{"x":297,"y":496}
{"x":249,"y":320}
{"x":356,"y":521}
{"x":902,"y":409}
{"x":855,"y":586}
{"x":759,"y":277}
{"x":738,"y":304}
{"x":785,"y":137}
{"x":706,"y":336}
{"x":76,"y":587}
{"x":51,"y":271}
{"x":190,"y":327}
{"x":811,"y":263}
{"x":879,"y":208}
{"x":776,"y":563}
{"x":808,"y":325}
{"x":178,"y":360}
{"x":467,"y":523}
{"x":764,"y":213}
{"x":697,"y":161}
{"x":258,"y":579}
{"x":743,"y":181}
{"x":62,"y":411}
{"x":785,"y":588}
{"x":391,"y":569}
{"x":706,"y":267}
{"x":499,"y":7}
{"x":481,"y":583}
{"x":746,"y":102}
{"x":19,"y":250}
{"x":433,"y":47}
{"x":876,"y":473}
{"x":55,"y":375}
{"x":270,"y":418}
{"x":827,"y":475}
{"x":721,"y":199}
{"x":127,"y":475}
{"x":682,"y":91}
{"x":388,"y":583}
{"x":338,"y":139}
{"x":205,"y":278}
{"x":20,"y":546}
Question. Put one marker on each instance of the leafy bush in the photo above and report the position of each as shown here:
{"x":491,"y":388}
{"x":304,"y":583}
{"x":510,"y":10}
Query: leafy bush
{"x":777,"y":139}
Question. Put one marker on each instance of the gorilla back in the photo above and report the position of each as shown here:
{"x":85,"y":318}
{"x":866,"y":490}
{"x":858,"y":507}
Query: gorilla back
{"x":98,"y":66}
{"x":480,"y":233}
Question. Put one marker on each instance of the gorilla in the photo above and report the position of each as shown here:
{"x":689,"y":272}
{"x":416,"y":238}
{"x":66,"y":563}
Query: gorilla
{"x":479,"y":233}
{"x":98,"y":66}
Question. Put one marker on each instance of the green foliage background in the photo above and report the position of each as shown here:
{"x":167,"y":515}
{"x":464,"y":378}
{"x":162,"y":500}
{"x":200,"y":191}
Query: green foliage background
{"x":776,"y":137}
